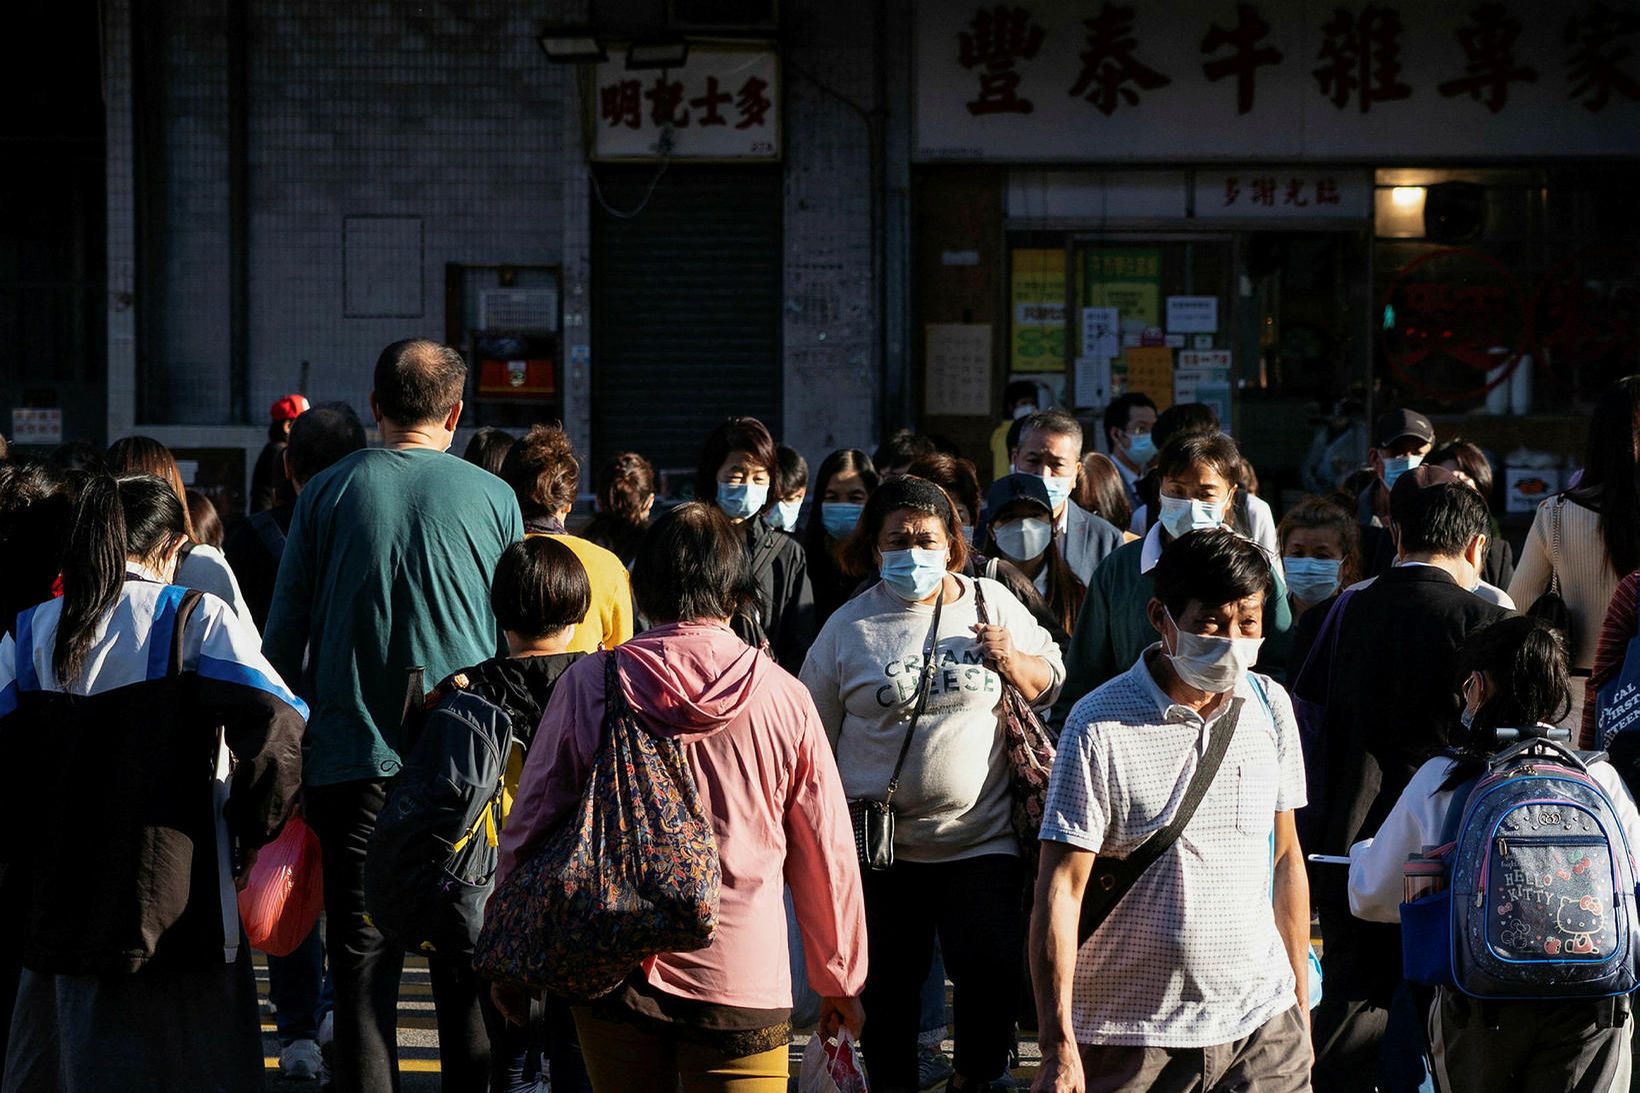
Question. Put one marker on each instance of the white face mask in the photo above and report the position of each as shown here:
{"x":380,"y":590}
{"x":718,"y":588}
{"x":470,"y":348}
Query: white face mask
{"x":1211,"y":664}
{"x":1023,"y":540}
{"x":1181,"y":515}
{"x":783,"y":517}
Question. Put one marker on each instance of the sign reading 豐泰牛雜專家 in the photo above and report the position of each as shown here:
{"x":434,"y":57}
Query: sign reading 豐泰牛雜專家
{"x":1275,"y":80}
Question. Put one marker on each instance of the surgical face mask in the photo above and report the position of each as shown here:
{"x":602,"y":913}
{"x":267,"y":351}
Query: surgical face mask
{"x":1140,"y":449}
{"x":1211,"y":664}
{"x":1059,"y":489}
{"x":1181,"y":515}
{"x":968,"y":534}
{"x":783,"y":517}
{"x":746,"y":499}
{"x":1311,"y":579}
{"x":1023,"y":540}
{"x":840,"y":517}
{"x":913,"y":574}
{"x":1024,"y":409}
{"x":1397,"y":465}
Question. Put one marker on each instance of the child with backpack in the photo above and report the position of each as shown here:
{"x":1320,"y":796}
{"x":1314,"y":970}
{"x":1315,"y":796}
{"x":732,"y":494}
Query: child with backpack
{"x":1508,"y":864}
{"x":433,"y":855}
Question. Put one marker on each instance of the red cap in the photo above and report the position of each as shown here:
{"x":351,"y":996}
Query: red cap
{"x":289,"y":408}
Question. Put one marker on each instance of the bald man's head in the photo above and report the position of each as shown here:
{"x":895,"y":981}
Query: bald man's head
{"x":418,"y":381}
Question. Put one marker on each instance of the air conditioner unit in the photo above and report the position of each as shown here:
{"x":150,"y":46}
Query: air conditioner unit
{"x":533,"y":310}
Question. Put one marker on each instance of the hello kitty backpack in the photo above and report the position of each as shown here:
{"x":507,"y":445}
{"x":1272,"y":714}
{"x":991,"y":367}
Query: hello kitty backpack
{"x":1543,"y":884}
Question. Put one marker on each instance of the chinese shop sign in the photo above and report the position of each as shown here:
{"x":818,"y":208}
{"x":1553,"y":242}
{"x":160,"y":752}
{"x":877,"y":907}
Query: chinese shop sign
{"x":1275,"y":80}
{"x":723,"y":104}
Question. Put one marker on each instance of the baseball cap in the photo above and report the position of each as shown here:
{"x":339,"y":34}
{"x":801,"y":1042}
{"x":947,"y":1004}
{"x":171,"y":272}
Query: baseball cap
{"x":289,"y":408}
{"x":1396,"y":424}
{"x":1016,"y":487}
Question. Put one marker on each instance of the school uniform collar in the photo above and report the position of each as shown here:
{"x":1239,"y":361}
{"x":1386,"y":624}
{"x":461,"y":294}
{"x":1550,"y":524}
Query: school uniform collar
{"x":1151,"y":552}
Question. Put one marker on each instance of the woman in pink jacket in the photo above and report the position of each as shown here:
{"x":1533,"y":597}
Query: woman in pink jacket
{"x":719,"y":1018}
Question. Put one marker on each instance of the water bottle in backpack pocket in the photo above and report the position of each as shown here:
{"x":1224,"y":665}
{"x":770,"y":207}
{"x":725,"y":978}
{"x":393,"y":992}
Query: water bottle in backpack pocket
{"x":1540,"y":900}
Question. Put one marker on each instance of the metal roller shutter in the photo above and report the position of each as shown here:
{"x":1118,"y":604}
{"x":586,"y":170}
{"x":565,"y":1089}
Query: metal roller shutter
{"x":686,"y":309}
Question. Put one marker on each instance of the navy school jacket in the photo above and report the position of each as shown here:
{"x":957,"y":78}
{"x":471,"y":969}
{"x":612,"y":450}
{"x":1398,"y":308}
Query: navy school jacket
{"x":129,"y":793}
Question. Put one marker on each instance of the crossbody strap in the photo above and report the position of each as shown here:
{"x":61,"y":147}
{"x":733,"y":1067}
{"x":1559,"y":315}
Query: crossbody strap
{"x":185,"y":611}
{"x":1134,"y":865}
{"x":924,"y":685}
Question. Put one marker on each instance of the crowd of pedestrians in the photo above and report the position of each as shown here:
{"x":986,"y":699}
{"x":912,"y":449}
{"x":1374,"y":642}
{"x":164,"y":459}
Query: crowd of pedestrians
{"x":1185,"y":794}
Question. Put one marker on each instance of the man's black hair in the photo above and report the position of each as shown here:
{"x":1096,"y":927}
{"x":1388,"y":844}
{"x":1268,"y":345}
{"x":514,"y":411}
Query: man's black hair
{"x":1441,"y":520}
{"x":418,"y":381}
{"x":321,"y":437}
{"x":1213,"y":566}
{"x":540,"y":588}
{"x":902,"y":449}
{"x":1184,"y":417}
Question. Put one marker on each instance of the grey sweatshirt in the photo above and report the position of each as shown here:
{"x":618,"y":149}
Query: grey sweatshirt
{"x":863,"y":672}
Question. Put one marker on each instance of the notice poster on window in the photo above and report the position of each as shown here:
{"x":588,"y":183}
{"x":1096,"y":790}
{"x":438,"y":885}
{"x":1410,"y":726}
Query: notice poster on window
{"x":1128,"y":279}
{"x":1038,"y":294}
{"x":957,"y":369}
{"x":1149,"y":370}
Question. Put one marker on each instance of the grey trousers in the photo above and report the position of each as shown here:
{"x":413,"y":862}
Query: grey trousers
{"x":1528,"y":1047}
{"x":1274,"y":1059}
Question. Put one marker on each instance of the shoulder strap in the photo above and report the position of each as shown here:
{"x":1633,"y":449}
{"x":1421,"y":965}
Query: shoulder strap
{"x":925,"y":684}
{"x":1455,"y":809}
{"x":1132,"y":867}
{"x":1554,"y":549}
{"x":979,"y":596}
{"x":185,"y":610}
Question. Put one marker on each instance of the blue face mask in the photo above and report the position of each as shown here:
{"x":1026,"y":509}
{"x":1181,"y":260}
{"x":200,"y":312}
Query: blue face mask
{"x":840,"y":517}
{"x":1397,"y":465}
{"x":1311,"y":579}
{"x":746,"y":499}
{"x":783,"y":517}
{"x":1140,"y":449}
{"x":913,"y":574}
{"x":1181,"y":515}
{"x":1059,"y":489}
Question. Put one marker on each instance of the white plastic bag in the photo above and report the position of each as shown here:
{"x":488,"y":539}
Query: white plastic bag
{"x":832,"y":1066}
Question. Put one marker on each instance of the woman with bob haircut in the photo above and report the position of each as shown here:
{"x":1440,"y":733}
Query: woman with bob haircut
{"x":717,"y":1018}
{"x":958,"y":872}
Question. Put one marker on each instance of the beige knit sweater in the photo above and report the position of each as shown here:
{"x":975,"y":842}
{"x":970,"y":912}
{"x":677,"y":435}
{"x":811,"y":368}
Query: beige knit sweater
{"x":1587,"y":580}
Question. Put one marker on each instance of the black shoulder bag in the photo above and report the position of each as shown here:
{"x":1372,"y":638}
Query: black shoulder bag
{"x":874,"y":820}
{"x":1113,"y":877}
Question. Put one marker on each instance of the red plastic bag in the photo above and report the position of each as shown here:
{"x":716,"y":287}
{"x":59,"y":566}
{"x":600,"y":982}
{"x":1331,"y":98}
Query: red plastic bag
{"x":286,"y":891}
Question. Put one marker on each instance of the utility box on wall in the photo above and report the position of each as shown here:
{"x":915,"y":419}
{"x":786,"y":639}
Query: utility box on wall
{"x":507,"y":320}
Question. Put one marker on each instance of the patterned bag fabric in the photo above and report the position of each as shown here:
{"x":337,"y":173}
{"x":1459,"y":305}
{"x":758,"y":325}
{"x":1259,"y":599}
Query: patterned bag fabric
{"x":632,"y":873}
{"x":1030,"y":753}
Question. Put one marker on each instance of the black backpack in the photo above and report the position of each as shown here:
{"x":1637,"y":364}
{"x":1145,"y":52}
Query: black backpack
{"x":432,"y":857}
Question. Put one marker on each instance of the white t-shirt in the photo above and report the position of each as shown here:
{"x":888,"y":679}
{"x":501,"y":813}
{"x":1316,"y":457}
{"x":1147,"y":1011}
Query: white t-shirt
{"x":863,"y":671}
{"x":1191,"y":956}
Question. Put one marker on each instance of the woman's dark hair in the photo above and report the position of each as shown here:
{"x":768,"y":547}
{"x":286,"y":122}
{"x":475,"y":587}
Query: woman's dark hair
{"x":322,"y":437}
{"x":858,"y":556}
{"x":793,"y":472}
{"x":136,"y":516}
{"x":79,"y":457}
{"x":692,"y":564}
{"x":540,"y":587}
{"x":626,"y":485}
{"x":1213,"y":450}
{"x":1525,"y":659}
{"x":543,"y":472}
{"x":1470,"y":460}
{"x":1101,"y":491}
{"x":36,"y":510}
{"x":901,"y":449}
{"x":1328,"y":515}
{"x":1182,"y":418}
{"x":817,"y":543}
{"x":1608,"y":482}
{"x":202,"y":515}
{"x":1213,"y":566}
{"x":956,"y":476}
{"x":145,"y":455}
{"x":736,"y":434}
{"x":487,"y":449}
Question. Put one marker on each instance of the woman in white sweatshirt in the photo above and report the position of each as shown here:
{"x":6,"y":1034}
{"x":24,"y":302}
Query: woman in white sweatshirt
{"x":1517,"y":676}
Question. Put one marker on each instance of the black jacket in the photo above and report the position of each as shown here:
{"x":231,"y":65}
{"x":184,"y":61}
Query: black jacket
{"x":1390,"y":692}
{"x":253,"y":549}
{"x":786,"y":603}
{"x":113,"y":809}
{"x":519,"y":686}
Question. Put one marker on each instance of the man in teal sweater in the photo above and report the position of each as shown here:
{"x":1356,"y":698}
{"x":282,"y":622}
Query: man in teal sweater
{"x":387,"y":567}
{"x":1198,"y":476}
